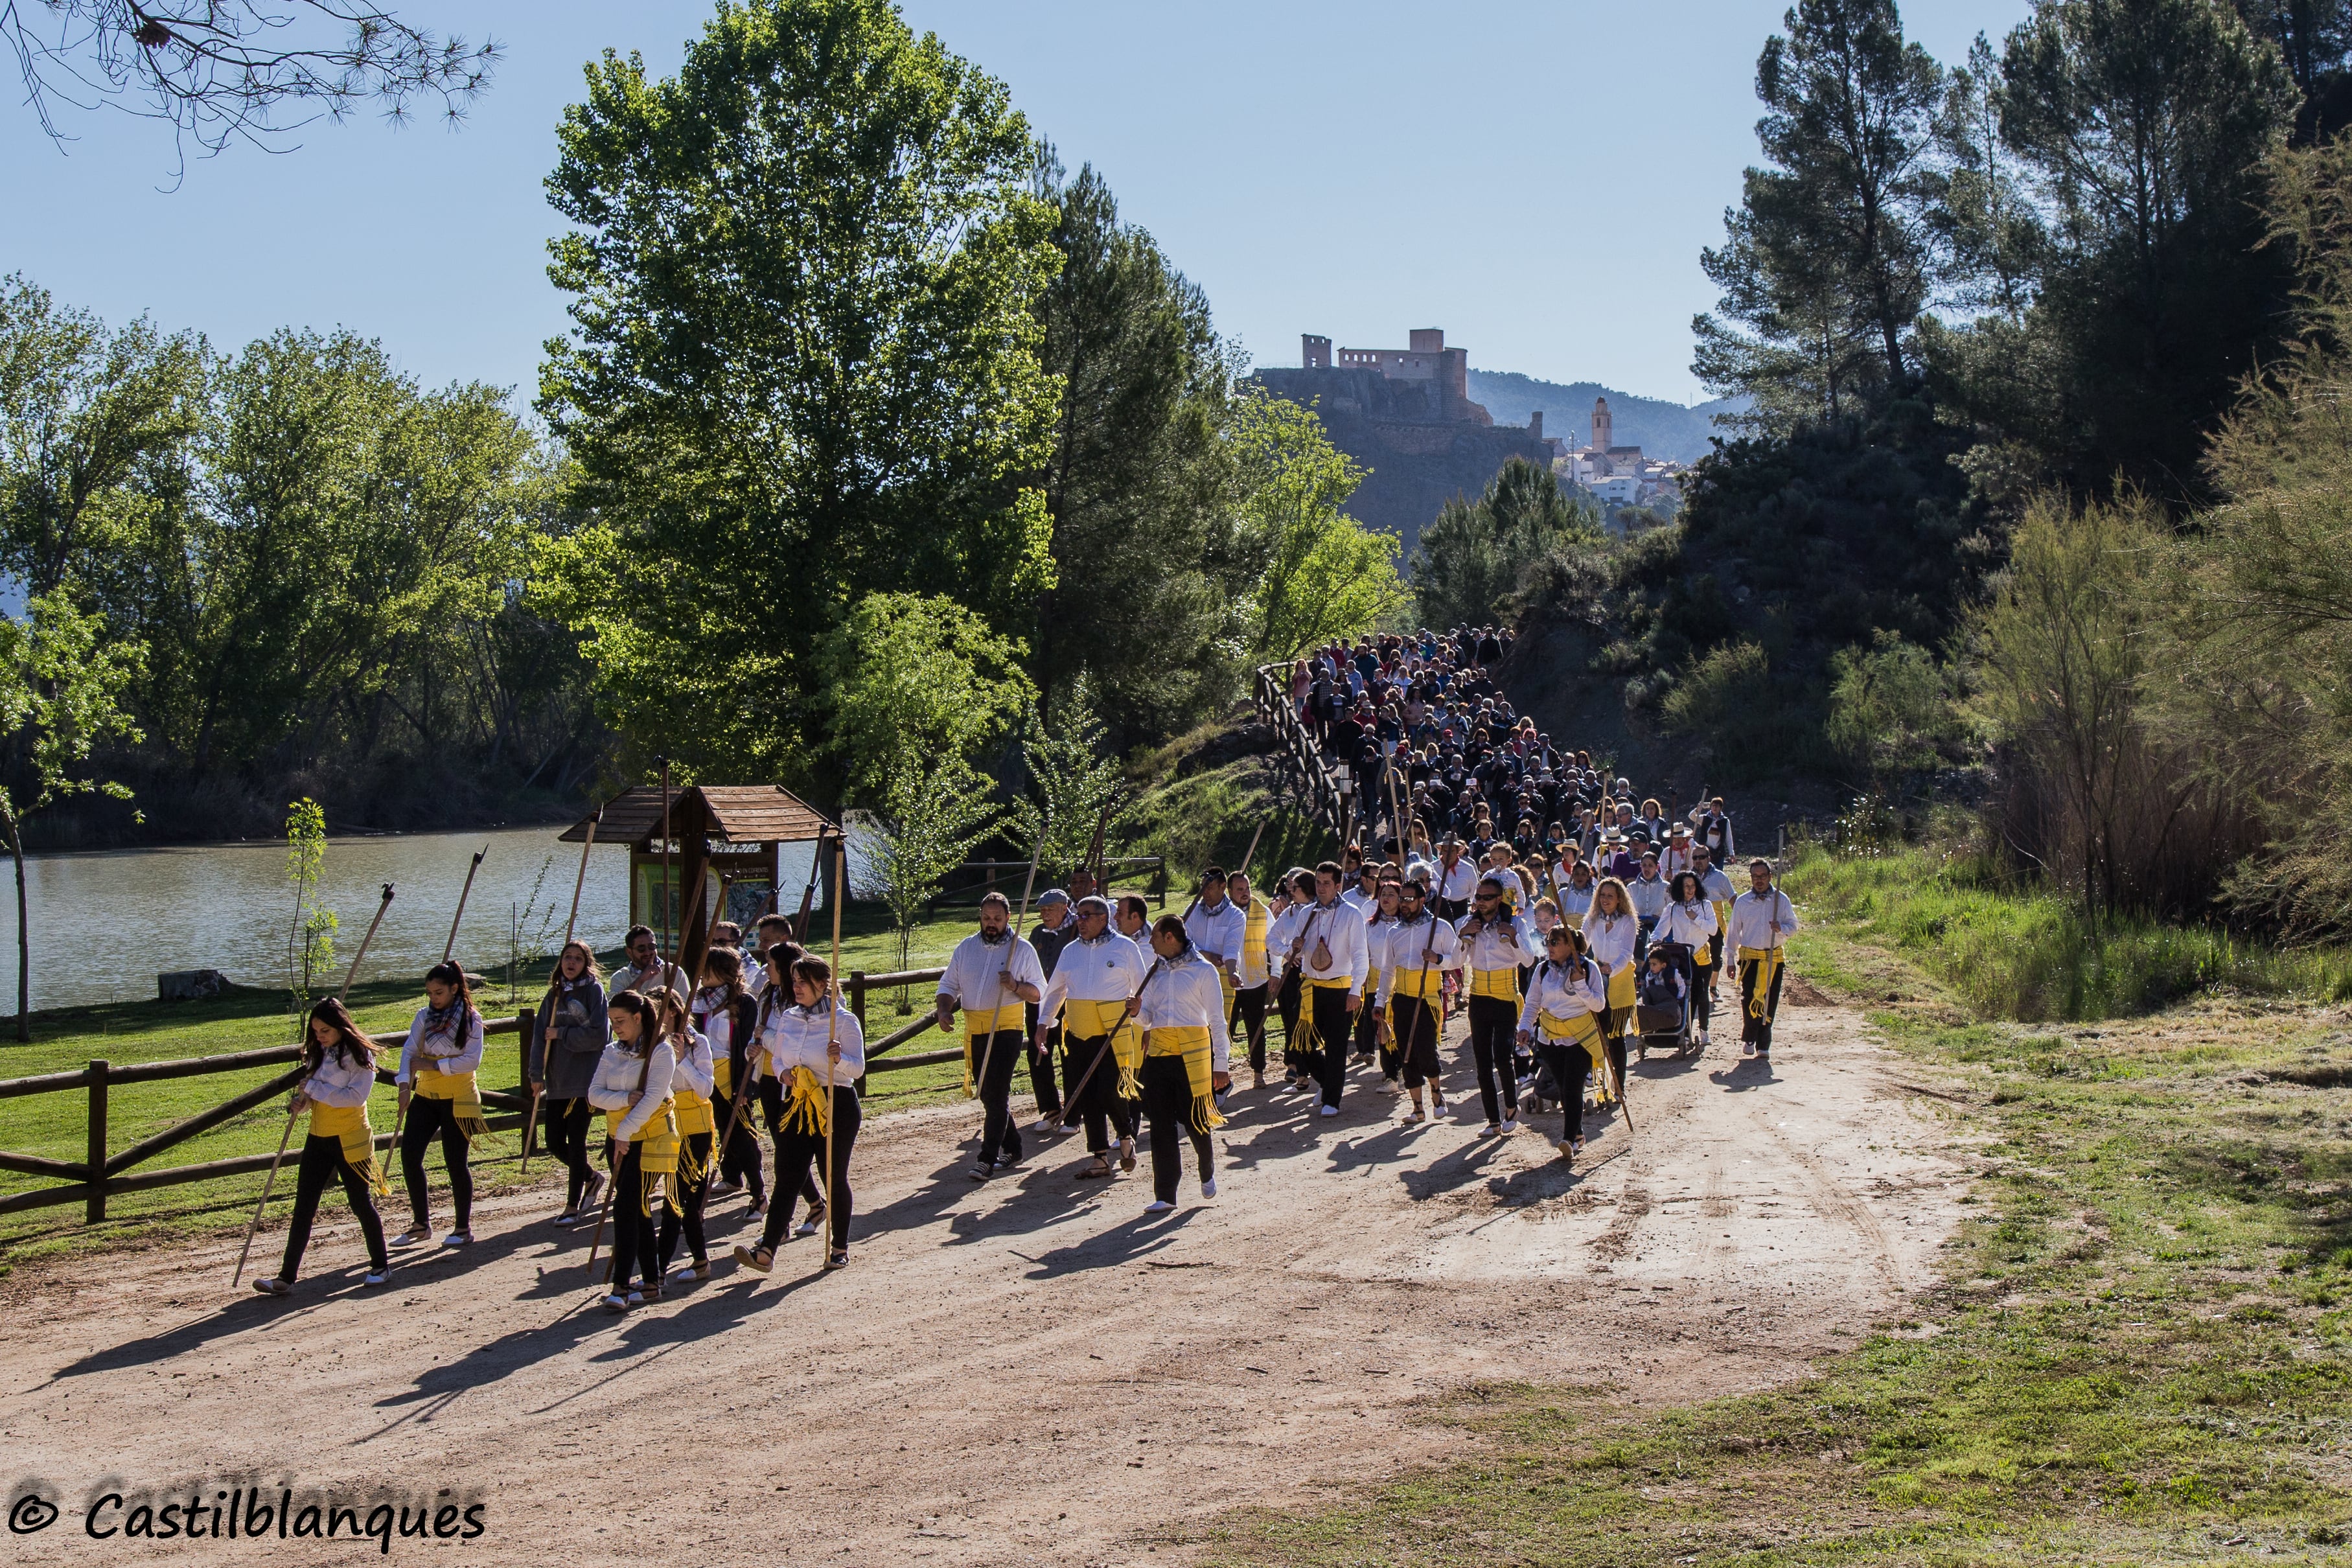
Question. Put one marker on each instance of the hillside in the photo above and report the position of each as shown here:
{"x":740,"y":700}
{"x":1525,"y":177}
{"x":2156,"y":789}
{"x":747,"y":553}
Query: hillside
{"x":1660,"y":428}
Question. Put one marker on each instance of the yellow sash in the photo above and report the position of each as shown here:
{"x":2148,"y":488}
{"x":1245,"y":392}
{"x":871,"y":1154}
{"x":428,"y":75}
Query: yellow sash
{"x":1416,"y":981}
{"x":1760,"y":1006}
{"x":349,"y":1125}
{"x":693,"y":1112}
{"x":1503,"y":984}
{"x":656,"y":1155}
{"x":979,"y":1025}
{"x":454,"y":1086}
{"x":1722,"y":916}
{"x":1620,"y":986}
{"x":1189,"y":1041}
{"x":1581,"y":1030}
{"x":1337,"y":982}
{"x":807,"y":1108}
{"x":1082,"y":1021}
{"x":1254,"y":927}
{"x":722,"y":1077}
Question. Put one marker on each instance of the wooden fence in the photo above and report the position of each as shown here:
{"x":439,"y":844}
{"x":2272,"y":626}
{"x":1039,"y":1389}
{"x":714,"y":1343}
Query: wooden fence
{"x":1324,"y":789}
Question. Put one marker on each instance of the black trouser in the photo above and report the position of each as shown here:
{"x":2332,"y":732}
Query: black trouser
{"x":1494,"y":1033}
{"x":1715,"y":947}
{"x":1331,"y":1020}
{"x":1569,"y":1063}
{"x":1523,"y":1060}
{"x":1758,"y":1032}
{"x":999,"y":1138}
{"x":1286,"y":1002}
{"x":1041,"y":1074}
{"x":322,"y":1159}
{"x":429,"y":1119}
{"x":798,"y":1152}
{"x":694,"y":1149}
{"x":1367,"y":1029}
{"x":633,"y":1228}
{"x":770,"y":1090}
{"x":1092,"y":1069}
{"x":567,"y":1142}
{"x":1412,"y":1021}
{"x":1168,"y":1101}
{"x":1249,"y":1005}
{"x":1695,"y":981}
{"x":739,"y":1162}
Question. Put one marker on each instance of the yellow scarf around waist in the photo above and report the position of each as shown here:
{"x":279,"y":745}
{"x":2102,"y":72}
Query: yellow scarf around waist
{"x":722,"y":1077}
{"x":1415,"y":980}
{"x":1501,"y":983}
{"x":657,"y":1153}
{"x":1253,"y":928}
{"x":1620,"y":986}
{"x":349,"y":1125}
{"x":979,"y":1024}
{"x":1189,"y":1041}
{"x":807,"y":1108}
{"x":458,"y":1087}
{"x":1083,"y":1022}
{"x":693,"y":1112}
{"x":1583,"y":1029}
{"x":1760,"y":1006}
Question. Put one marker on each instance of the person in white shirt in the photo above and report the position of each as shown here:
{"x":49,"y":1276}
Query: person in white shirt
{"x":1719,"y":894}
{"x":1252,"y":980}
{"x":1648,"y":892}
{"x":990,"y":976}
{"x":1366,"y":894}
{"x":632,"y":1089}
{"x":1420,"y":952}
{"x":1677,"y":857}
{"x":1216,"y":927}
{"x":1330,"y":952}
{"x":1612,"y":932}
{"x":1689,"y":921}
{"x":1456,"y":878}
{"x":691,"y":1086}
{"x":1382,"y":920}
{"x":647,"y":971}
{"x":1761,"y":920}
{"x":1494,"y":940}
{"x":442,"y":1100}
{"x":1297,"y":895}
{"x":814,"y":1042}
{"x":1098,"y":972}
{"x":339,"y":1064}
{"x":770,"y":931}
{"x":1181,"y":1015}
{"x":1560,"y":1019}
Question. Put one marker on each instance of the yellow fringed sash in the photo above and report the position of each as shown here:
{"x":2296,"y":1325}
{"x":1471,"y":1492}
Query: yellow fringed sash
{"x":1189,"y":1041}
{"x":722,"y":1077}
{"x":459,"y":1087}
{"x":980,"y":1023}
{"x":1620,"y":986}
{"x":1083,"y":1022}
{"x":1500,"y":983}
{"x":658,"y":1154}
{"x":807,"y":1108}
{"x":1253,"y":928}
{"x":1583,"y":1029}
{"x":1760,"y":1006}
{"x":349,"y":1125}
{"x":1417,"y":981}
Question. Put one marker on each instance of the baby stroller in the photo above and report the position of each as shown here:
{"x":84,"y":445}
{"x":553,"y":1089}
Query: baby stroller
{"x":1662,"y":1013}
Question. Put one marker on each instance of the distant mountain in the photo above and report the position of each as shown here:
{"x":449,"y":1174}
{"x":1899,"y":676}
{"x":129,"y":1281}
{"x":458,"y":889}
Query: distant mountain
{"x":1660,"y":428}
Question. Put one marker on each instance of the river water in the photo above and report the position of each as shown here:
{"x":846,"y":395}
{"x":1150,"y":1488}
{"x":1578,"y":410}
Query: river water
{"x":105,"y":924}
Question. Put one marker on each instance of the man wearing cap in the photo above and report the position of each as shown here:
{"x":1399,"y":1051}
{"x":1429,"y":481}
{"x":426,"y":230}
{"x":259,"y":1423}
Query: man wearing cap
{"x":1761,"y":920}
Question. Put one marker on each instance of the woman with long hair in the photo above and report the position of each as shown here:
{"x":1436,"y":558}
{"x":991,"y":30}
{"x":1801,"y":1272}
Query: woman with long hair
{"x":632,"y":1088}
{"x":691,"y":1086}
{"x":567,"y":1041}
{"x":729,"y":1018}
{"x":438,"y":1064}
{"x":1559,"y":1019}
{"x":1610,"y":931}
{"x":775,"y":1000}
{"x":814,"y":1041}
{"x":1689,"y":920}
{"x":339,"y":1065}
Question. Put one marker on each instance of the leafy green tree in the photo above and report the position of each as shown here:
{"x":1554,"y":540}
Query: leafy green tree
{"x":1830,"y":247}
{"x":918,"y":682}
{"x":1074,"y":781}
{"x":311,"y":934}
{"x":804,"y":276}
{"x":1887,"y":706}
{"x":930,"y":816}
{"x":1988,"y":225}
{"x":1318,"y":574}
{"x":2314,"y":36}
{"x":62,"y":680}
{"x":1477,"y":560}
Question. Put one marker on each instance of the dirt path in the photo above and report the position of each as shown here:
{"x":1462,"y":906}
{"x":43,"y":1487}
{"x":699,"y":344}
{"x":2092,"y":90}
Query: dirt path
{"x":1023,"y":1372}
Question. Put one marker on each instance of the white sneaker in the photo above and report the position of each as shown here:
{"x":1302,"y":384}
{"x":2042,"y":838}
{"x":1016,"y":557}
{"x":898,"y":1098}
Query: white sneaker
{"x":617,"y":1303}
{"x":805,"y":1228}
{"x":1209,"y":1188}
{"x":1158,"y":1206}
{"x":378,"y":1277}
{"x":1045,"y":1124}
{"x":1330,"y":1110}
{"x":636,"y":1298}
{"x":1493,"y":1128}
{"x":1703,"y":1038}
{"x":1510,"y":1125}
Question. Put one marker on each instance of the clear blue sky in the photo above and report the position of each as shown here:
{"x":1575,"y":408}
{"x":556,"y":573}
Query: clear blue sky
{"x":1536,"y":180}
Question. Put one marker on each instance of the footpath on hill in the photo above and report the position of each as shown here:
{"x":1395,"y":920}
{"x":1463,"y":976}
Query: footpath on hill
{"x":1031,"y":1370}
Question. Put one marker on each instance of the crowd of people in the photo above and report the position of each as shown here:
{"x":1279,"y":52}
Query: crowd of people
{"x":1485,"y":871}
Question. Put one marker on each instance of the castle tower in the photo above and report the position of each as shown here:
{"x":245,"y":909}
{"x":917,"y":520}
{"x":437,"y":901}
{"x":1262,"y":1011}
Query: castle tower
{"x":1314,"y":351}
{"x":1602,"y":432}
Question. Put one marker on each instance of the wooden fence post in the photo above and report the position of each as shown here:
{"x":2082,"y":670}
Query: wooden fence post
{"x":94,"y":1206}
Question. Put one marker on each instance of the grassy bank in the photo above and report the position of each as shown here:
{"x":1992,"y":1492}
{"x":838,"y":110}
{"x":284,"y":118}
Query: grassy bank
{"x":53,"y":1126}
{"x":2139,"y":1351}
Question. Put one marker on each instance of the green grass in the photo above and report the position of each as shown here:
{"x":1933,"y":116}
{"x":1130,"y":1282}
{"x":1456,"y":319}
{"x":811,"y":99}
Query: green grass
{"x":2140,"y":1351}
{"x":54,"y":1126}
{"x":2032,"y":955}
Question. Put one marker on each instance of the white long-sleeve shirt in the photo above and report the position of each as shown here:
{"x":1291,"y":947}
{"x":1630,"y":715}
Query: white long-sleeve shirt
{"x":1107,"y":969}
{"x":629,"y":977}
{"x":795,"y":1037}
{"x":440,"y":1053}
{"x":1281,"y":931}
{"x":1413,"y":943}
{"x":1502,"y":943}
{"x":1690,"y":924}
{"x":1564,"y":990}
{"x":980,"y":976}
{"x":614,"y":1087}
{"x":716,"y":1014}
{"x":695,"y":1071}
{"x":1340,"y":931}
{"x":1185,"y":994}
{"x":1718,"y":886}
{"x":1610,"y":939}
{"x":1752,"y":918}
{"x":1459,"y":882}
{"x":1649,"y":895}
{"x":330,"y":1083}
{"x":1218,"y":930}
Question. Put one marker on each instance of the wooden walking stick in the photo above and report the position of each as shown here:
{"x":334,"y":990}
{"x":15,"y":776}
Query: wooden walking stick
{"x":743,"y":1090}
{"x":1005,"y":976}
{"x":832,"y":1033}
{"x":407,"y":1092}
{"x":662,"y":954}
{"x":287,"y":1136}
{"x":1086,"y":1078}
{"x":530,"y":1117}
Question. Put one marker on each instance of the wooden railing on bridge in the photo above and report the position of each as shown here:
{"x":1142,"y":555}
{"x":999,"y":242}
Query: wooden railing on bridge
{"x":1322,"y":788}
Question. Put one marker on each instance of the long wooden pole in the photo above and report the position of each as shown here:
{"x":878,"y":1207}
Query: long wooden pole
{"x":400,"y":1116}
{"x":832,"y":1028}
{"x":287,"y":1137}
{"x":743,"y":1089}
{"x":663,"y":952}
{"x":530,"y":1117}
{"x":1005,"y":976}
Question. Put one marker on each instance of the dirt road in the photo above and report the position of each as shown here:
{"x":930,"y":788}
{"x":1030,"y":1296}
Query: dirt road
{"x":1027,"y":1370}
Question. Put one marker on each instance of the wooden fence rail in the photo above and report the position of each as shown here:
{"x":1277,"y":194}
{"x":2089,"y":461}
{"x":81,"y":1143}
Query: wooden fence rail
{"x":1296,"y":758}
